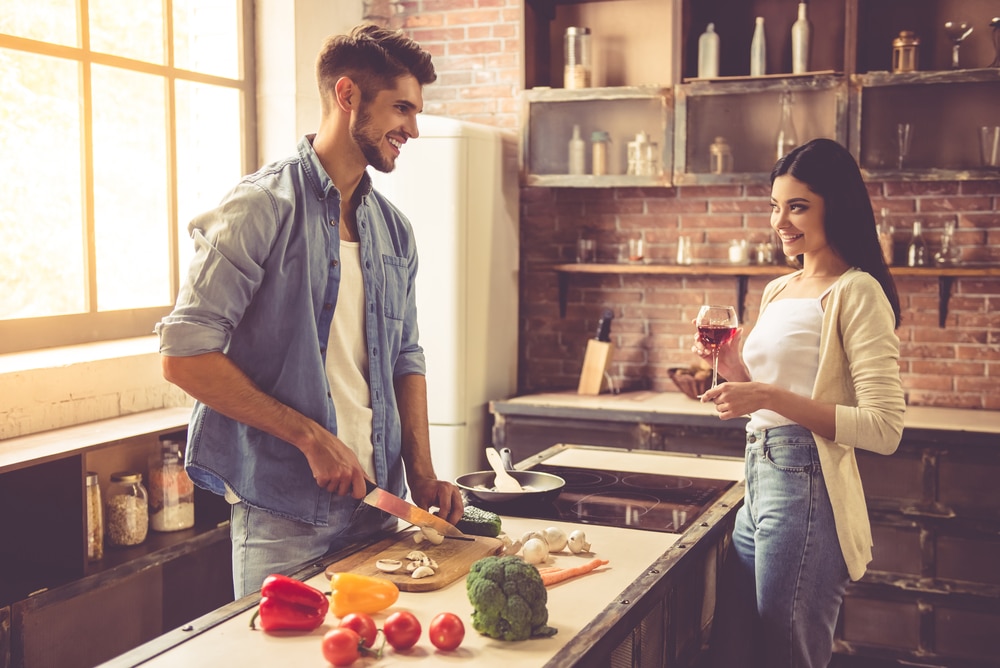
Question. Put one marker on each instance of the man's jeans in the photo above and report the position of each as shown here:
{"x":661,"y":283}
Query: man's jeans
{"x":264,"y":543}
{"x":784,"y":582}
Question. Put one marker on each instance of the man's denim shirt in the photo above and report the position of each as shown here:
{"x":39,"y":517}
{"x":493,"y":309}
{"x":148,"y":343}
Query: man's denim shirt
{"x":262,"y":288}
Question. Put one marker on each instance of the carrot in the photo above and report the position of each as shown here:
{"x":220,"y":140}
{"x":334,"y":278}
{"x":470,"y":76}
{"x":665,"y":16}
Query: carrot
{"x":550,"y":578}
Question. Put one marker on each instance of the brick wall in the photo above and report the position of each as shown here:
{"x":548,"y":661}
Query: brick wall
{"x":476,"y":44}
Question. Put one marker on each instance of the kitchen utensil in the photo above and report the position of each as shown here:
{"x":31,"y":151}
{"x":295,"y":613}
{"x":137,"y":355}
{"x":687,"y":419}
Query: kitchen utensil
{"x":535,"y":487}
{"x":453,"y":557}
{"x":504,"y":482}
{"x":406,"y":511}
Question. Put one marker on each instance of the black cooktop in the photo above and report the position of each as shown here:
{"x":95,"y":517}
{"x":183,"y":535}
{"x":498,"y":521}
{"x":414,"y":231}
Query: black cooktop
{"x":648,"y":501}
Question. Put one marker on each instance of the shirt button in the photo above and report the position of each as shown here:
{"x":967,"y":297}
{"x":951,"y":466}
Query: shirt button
{"x":333,"y":263}
{"x":333,"y":222}
{"x":752,"y":438}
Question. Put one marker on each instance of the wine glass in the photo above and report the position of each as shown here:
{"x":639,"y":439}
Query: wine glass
{"x":904,"y":132}
{"x":716,"y":326}
{"x":957,"y":31}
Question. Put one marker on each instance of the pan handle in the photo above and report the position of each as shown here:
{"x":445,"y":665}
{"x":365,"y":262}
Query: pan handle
{"x":505,"y":457}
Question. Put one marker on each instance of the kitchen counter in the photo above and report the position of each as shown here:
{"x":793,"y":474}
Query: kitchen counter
{"x":673,"y":422}
{"x":595,"y":614}
{"x":687,"y":410}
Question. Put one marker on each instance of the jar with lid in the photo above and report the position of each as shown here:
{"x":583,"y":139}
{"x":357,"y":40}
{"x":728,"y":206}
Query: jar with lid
{"x":171,"y":492}
{"x":126,"y":512}
{"x":95,"y":519}
{"x":599,"y":141}
{"x":577,"y":64}
{"x":720,"y":156}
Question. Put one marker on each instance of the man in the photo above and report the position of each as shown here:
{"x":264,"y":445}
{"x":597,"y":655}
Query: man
{"x":296,"y":328}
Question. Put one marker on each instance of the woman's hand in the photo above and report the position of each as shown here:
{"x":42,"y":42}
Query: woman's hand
{"x":733,"y":400}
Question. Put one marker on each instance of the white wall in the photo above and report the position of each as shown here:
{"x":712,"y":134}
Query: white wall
{"x":60,"y":387}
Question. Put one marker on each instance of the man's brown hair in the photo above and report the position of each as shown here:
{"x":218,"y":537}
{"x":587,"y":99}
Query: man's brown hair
{"x":374,"y":58}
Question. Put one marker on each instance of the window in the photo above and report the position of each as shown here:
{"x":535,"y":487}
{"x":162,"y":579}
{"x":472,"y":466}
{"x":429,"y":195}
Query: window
{"x":119,"y":122}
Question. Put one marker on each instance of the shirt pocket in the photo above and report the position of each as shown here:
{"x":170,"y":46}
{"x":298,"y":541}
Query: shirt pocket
{"x":395,"y":287}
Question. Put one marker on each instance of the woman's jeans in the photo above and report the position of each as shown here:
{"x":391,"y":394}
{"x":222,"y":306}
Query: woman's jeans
{"x":784,"y":580}
{"x":264,"y":543}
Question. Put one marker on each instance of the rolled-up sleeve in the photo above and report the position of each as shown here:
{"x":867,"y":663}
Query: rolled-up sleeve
{"x":231,"y":243}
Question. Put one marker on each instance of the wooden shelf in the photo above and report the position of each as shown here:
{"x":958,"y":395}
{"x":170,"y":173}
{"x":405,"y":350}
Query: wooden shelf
{"x":742,"y":273}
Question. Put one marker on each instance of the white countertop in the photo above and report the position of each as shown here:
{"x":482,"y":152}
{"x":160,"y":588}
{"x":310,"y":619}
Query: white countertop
{"x":917,"y":417}
{"x":571,"y":604}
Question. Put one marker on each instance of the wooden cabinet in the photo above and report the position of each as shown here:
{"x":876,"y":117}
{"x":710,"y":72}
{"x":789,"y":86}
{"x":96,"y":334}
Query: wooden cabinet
{"x":931,"y":596}
{"x":49,"y":592}
{"x":849,"y":94}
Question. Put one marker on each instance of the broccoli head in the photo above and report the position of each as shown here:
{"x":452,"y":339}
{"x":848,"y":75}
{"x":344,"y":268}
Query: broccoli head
{"x":508,"y":599}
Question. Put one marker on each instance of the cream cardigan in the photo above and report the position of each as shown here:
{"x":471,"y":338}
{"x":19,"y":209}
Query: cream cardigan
{"x":859,"y":372}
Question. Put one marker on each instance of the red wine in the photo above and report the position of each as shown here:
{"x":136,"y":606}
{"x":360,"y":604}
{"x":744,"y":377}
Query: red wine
{"x":714,"y":336}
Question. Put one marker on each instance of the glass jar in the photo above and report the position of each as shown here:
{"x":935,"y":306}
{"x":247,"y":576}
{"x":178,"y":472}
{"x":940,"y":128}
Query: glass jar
{"x":720,"y":156}
{"x":95,"y":519}
{"x":171,"y":492}
{"x":126,"y":512}
{"x":576,"y":66}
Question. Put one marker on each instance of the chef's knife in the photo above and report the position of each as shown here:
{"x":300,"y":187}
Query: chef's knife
{"x":604,"y":326}
{"x":406,"y":511}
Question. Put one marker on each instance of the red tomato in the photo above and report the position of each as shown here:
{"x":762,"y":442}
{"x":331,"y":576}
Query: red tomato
{"x":446,"y":631}
{"x":362,"y":624}
{"x":402,"y":630}
{"x":340,"y":646}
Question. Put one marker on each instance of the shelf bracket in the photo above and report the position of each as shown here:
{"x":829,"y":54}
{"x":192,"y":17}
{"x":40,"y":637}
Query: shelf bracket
{"x":741,"y":295}
{"x":563,"y":292}
{"x":944,"y":295}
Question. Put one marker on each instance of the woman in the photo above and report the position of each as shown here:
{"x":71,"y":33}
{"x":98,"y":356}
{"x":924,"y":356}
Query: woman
{"x":819,"y":377}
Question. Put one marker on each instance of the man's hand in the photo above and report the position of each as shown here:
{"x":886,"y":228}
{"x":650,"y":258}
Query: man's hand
{"x":427,"y":492}
{"x":334,"y":466}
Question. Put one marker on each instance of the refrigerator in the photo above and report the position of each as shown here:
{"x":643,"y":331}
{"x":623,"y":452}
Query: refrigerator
{"x":457,"y":183}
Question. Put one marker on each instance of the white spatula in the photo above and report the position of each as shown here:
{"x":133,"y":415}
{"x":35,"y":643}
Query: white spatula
{"x":504,"y":482}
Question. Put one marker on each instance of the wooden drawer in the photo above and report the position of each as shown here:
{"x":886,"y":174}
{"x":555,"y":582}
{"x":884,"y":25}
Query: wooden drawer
{"x":967,"y":634}
{"x":879,"y":623}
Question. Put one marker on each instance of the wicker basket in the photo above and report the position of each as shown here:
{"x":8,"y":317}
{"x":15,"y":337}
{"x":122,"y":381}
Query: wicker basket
{"x":691,"y":380}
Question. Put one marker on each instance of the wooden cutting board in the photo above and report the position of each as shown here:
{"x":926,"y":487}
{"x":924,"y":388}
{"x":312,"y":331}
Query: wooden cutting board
{"x":454,"y":558}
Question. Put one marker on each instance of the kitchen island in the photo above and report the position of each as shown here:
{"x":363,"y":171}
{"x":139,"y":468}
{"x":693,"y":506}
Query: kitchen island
{"x":649,"y":607}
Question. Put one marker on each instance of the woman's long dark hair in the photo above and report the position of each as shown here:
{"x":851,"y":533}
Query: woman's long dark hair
{"x":829,"y":170}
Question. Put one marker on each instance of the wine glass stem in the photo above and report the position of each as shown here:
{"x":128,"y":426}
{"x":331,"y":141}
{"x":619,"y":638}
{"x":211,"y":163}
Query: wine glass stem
{"x":715,"y":367}
{"x":954,"y":57}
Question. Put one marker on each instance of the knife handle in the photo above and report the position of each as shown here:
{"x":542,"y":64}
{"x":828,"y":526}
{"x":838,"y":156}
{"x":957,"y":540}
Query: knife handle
{"x":370,"y":486}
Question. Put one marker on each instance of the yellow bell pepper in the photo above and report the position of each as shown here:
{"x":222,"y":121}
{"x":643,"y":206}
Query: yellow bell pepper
{"x":350,"y":592}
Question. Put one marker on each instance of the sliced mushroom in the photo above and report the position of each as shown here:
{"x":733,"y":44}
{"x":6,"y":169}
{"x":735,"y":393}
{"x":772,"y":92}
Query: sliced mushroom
{"x":416,"y":555}
{"x":388,"y":565}
{"x":422,"y":572}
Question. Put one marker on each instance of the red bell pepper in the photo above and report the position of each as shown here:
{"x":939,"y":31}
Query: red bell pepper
{"x":287,"y":604}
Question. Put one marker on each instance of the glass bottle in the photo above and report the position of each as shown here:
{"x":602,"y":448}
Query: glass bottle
{"x":949,"y":255}
{"x":800,"y":42}
{"x":171,"y":492}
{"x":126,"y":511}
{"x":886,"y":232}
{"x":720,"y":156}
{"x":916,"y":252}
{"x":787,"y":138}
{"x":758,"y":49}
{"x":577,"y":151}
{"x":708,"y":53}
{"x":576,"y":65}
{"x":599,"y":140}
{"x":95,"y":519}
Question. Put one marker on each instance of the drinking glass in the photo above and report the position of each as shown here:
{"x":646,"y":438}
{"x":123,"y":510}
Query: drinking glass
{"x":904,"y":131}
{"x":716,"y":326}
{"x":989,"y":145}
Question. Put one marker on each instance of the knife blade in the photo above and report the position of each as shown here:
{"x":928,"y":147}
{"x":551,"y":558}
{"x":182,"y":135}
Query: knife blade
{"x":406,"y":511}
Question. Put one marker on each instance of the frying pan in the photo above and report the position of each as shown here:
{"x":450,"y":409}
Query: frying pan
{"x":540,"y":486}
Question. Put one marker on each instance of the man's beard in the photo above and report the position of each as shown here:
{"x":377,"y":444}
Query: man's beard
{"x":369,"y":140}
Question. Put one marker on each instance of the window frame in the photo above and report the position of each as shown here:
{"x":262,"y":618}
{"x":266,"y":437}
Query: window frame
{"x":24,"y":334}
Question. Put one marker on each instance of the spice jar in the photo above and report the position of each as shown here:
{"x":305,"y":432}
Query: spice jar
{"x":95,"y":519}
{"x":126,"y":513}
{"x":171,"y":492}
{"x":576,"y":48}
{"x":599,"y":140}
{"x":720,"y":156}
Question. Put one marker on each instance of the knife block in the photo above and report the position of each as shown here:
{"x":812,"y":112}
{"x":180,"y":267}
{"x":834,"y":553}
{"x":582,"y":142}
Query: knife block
{"x":595,"y":365}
